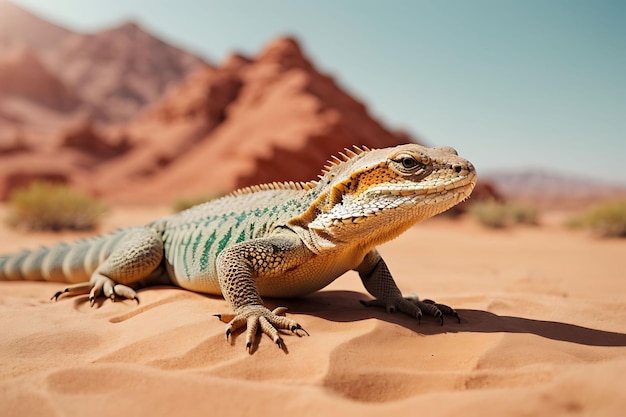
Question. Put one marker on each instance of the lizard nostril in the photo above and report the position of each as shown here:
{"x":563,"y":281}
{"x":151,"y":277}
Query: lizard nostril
{"x":458,"y":169}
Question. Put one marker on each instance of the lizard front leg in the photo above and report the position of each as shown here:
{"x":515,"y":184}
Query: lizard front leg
{"x":238,"y":268}
{"x":378,"y":281}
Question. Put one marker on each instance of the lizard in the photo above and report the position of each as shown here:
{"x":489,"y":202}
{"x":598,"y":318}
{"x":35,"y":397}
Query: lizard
{"x":271,"y":240}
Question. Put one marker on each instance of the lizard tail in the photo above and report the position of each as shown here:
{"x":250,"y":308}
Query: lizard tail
{"x":65,"y":262}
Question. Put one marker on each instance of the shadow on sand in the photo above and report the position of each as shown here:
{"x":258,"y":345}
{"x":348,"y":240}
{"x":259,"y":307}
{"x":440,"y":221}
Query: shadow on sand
{"x":344,"y":306}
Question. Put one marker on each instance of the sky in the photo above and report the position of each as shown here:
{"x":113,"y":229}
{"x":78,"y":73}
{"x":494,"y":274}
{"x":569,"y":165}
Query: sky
{"x":527,"y":84}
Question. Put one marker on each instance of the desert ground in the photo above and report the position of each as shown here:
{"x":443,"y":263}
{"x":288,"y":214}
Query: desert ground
{"x":543,"y":333}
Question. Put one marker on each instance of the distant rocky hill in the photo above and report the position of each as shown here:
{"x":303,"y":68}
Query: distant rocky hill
{"x":552,"y":189}
{"x":23,"y":75}
{"x":20,"y":27}
{"x":120,"y":70}
{"x":114,"y":73}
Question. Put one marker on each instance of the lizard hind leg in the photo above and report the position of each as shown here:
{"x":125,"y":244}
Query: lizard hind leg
{"x":130,"y":262}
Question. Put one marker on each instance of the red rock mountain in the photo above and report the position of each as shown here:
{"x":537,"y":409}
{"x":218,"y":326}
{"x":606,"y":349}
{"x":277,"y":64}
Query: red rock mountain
{"x":273,"y":117}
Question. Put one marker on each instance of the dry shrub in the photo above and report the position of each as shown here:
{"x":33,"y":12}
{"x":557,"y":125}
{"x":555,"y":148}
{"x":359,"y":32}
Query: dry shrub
{"x":48,"y":206}
{"x":607,"y":219}
{"x":524,"y":213}
{"x":495,"y":214}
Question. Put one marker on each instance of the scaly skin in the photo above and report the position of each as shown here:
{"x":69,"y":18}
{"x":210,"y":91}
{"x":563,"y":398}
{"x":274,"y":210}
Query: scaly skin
{"x":272,"y":240}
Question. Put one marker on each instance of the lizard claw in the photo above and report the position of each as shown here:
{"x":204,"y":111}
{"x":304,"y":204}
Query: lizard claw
{"x":56,"y":295}
{"x":296,"y":328}
{"x":258,"y":318}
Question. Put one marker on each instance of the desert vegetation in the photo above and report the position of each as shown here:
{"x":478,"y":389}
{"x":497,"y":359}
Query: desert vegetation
{"x":48,"y":206}
{"x":496,"y":214}
{"x":606,"y":219}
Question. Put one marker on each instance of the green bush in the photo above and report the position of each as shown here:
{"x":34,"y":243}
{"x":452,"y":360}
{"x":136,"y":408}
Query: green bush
{"x":607,"y":219}
{"x":184,"y":203}
{"x":47,"y":206}
{"x":495,"y":214}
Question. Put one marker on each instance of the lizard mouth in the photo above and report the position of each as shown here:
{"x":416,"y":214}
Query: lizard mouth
{"x":458,"y":184}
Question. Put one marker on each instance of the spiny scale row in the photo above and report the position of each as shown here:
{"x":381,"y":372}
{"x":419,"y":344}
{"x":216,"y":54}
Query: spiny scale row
{"x":290,"y":185}
{"x":349,"y":154}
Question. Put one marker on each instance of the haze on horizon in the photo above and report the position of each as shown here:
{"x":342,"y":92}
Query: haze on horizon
{"x":512,"y":85}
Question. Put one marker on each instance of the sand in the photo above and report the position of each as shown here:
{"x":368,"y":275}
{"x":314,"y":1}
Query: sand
{"x":543,"y":332}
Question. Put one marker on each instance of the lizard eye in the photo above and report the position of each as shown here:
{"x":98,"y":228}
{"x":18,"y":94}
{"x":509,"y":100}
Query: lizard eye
{"x":408,"y":162}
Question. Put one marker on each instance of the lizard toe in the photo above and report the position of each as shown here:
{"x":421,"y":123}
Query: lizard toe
{"x":434,"y":309}
{"x":396,"y":304}
{"x":258,"y":319}
{"x":76,"y":289}
{"x":100,"y":286}
{"x":125,"y":292}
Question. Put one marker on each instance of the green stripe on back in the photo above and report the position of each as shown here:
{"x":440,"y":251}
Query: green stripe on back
{"x":224,"y":241}
{"x":206,"y":252}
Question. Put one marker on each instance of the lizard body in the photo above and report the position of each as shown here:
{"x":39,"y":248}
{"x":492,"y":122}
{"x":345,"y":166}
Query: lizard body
{"x":272,"y":240}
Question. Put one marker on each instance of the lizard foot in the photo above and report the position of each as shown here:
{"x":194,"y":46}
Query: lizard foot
{"x":434,"y":309}
{"x":412,"y":306}
{"x":257,"y":317}
{"x":98,"y":286}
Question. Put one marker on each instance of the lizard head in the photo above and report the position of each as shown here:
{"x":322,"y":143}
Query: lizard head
{"x":380,"y":193}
